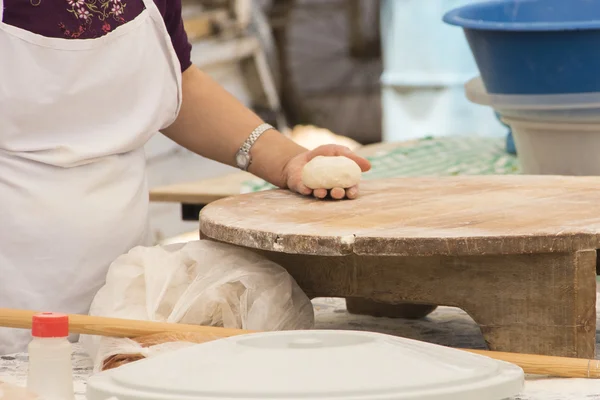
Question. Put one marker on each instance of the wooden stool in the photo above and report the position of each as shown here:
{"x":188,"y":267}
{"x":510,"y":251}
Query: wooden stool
{"x":518,"y":253}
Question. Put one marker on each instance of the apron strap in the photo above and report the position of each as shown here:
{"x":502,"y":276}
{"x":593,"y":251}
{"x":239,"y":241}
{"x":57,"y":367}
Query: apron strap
{"x":1,"y":10}
{"x":149,"y":4}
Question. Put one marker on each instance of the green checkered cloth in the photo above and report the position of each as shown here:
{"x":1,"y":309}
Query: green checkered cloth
{"x":444,"y":156}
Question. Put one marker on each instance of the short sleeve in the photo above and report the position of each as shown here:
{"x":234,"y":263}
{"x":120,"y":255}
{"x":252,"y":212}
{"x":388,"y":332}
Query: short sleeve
{"x":174,"y":23}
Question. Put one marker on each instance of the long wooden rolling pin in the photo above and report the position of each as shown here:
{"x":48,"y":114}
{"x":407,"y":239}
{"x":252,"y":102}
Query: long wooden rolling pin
{"x":116,"y":327}
{"x":113,"y":327}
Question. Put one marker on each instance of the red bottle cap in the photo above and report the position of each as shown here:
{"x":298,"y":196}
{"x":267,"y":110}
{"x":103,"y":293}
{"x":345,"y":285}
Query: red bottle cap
{"x":50,"y":325}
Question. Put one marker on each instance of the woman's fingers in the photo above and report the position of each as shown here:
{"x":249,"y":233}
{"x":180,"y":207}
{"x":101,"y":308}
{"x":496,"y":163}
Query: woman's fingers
{"x":338,"y":193}
{"x":320,"y":193}
{"x":363,"y":163}
{"x":300,"y":188}
{"x":352,"y":193}
{"x":296,"y":185}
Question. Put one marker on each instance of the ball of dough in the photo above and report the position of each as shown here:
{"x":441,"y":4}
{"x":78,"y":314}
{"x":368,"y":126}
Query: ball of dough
{"x":331,"y":172}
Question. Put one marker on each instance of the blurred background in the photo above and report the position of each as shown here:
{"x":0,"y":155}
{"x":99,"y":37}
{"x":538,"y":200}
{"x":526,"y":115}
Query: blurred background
{"x":369,"y":70}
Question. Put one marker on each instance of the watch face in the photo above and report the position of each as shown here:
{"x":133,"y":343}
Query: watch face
{"x":242,"y":159}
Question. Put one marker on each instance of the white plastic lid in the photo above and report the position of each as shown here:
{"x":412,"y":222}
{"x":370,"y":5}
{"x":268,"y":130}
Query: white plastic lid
{"x":311,"y":365}
{"x":476,"y":92}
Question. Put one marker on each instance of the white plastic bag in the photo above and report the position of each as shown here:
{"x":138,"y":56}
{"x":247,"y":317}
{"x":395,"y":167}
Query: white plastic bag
{"x":202,"y":283}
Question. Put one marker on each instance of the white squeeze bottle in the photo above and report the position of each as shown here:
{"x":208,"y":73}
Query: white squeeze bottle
{"x":50,"y":372}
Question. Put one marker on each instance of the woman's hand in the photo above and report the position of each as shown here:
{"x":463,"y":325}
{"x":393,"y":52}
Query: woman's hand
{"x":293,"y":171}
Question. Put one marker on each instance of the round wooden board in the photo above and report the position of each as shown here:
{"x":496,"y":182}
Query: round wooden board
{"x":466,"y":215}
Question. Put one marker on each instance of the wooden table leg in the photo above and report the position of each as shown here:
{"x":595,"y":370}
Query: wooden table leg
{"x":554,"y":314}
{"x":191,"y":212}
{"x":356,"y":305}
{"x":531,"y":303}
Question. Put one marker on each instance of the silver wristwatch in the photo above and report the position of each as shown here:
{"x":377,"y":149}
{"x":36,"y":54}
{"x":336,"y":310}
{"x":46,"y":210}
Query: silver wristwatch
{"x":243,"y":159}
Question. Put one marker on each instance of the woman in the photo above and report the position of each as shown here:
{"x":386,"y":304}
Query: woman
{"x":85,"y":84}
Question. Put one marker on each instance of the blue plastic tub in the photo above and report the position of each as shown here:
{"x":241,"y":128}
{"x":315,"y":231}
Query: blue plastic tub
{"x":534,"y":47}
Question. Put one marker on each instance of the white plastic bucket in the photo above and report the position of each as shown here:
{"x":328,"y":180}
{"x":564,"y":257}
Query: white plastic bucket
{"x":550,"y":148}
{"x":571,"y":108}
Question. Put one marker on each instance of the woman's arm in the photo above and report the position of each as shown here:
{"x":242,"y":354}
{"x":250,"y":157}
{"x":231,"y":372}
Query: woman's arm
{"x":214,"y":124}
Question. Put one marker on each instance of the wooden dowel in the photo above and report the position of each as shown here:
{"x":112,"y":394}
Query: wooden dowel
{"x":533,"y":364}
{"x":116,"y":327}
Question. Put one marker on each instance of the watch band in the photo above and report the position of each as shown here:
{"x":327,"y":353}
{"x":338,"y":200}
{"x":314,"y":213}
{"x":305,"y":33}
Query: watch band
{"x":243,"y":158}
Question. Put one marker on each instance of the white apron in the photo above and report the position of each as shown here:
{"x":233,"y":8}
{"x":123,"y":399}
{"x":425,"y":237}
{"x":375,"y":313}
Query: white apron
{"x":74,"y":117}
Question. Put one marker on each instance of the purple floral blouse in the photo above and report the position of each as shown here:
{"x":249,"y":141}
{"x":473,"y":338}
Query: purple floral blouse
{"x":86,"y":19}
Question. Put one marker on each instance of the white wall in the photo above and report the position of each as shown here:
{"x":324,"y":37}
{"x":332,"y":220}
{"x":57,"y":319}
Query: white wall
{"x":426,"y":64}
